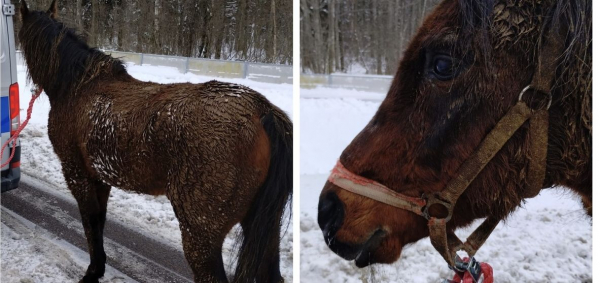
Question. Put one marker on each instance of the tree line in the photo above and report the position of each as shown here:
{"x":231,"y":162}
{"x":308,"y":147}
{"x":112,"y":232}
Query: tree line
{"x":358,"y":36}
{"x":249,"y":30}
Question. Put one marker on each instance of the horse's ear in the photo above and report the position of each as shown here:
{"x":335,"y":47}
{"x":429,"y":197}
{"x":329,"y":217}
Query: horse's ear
{"x":53,"y":11}
{"x":24,"y":10}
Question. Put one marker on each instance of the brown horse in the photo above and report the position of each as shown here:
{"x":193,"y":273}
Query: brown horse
{"x":221,"y":152}
{"x":461,"y":73}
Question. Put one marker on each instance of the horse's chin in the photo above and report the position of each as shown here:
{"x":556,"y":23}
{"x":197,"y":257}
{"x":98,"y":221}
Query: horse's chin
{"x":369,"y":249}
{"x":369,"y":259}
{"x":372,"y":251}
{"x":380,"y":248}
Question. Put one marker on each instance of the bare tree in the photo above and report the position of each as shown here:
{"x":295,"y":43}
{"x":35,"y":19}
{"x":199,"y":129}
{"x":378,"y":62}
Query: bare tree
{"x":360,"y":35}
{"x":251,"y":30}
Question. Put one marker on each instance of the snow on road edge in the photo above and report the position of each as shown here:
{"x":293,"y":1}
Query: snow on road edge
{"x":31,"y":254}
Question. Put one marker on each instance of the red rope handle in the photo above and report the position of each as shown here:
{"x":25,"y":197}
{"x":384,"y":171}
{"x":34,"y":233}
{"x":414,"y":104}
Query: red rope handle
{"x":486,"y":271}
{"x":18,"y":131}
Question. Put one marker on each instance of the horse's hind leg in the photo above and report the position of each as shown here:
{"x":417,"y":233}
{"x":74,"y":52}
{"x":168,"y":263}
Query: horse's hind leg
{"x":203,"y":252}
{"x":92,"y":198}
{"x":202,"y":235}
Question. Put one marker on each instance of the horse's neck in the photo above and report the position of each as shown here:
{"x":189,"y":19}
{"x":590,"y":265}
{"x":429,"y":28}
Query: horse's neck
{"x":68,"y":75}
{"x":569,"y":143}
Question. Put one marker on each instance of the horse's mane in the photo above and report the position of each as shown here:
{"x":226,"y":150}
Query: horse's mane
{"x":577,"y":57}
{"x":517,"y":26}
{"x":524,"y":26}
{"x":59,"y":59}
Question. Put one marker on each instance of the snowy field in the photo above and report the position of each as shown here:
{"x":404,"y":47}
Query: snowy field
{"x":149,"y":214}
{"x":548,"y":240}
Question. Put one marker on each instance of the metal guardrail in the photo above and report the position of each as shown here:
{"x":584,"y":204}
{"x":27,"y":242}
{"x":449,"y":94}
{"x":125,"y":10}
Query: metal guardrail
{"x":372,"y":83}
{"x":268,"y":73}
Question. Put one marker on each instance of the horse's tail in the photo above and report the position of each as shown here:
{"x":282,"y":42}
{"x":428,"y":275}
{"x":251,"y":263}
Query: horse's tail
{"x":261,"y":226}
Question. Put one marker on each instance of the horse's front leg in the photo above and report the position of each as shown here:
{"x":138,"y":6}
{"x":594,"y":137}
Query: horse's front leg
{"x":92,"y":198}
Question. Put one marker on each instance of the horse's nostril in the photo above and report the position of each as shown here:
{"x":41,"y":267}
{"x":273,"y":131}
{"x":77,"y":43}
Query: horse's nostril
{"x":331,"y":214}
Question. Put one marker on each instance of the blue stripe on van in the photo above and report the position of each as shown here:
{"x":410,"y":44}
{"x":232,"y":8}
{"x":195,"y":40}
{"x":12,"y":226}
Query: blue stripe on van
{"x":4,"y":111}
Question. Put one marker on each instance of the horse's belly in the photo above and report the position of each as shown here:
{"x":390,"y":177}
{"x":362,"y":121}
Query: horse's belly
{"x":139,"y":176}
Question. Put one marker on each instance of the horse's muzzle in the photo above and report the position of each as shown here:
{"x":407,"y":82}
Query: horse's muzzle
{"x":330,"y":218}
{"x":331,"y":214}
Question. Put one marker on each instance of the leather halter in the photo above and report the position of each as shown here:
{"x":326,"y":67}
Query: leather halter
{"x":446,"y":242}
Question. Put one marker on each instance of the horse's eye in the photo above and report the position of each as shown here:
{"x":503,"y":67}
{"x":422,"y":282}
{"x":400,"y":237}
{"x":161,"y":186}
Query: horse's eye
{"x":443,"y":67}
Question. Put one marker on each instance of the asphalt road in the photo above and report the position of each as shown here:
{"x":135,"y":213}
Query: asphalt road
{"x":138,"y":256}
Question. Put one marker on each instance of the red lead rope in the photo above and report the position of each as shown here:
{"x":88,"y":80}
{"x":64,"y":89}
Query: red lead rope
{"x":15,"y":136}
{"x":486,"y":275}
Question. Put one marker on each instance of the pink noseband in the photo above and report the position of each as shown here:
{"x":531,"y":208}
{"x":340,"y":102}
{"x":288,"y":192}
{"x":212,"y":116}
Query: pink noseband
{"x":343,"y":178}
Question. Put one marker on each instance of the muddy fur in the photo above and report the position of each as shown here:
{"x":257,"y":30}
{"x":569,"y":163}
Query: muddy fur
{"x":427,"y":127}
{"x":221,"y":152}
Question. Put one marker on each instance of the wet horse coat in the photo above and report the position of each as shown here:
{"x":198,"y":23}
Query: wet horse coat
{"x":221,"y":152}
{"x":461,"y":73}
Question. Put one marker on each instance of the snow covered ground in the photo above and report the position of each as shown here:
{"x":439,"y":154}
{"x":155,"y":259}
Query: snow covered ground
{"x":151,"y":215}
{"x":548,"y":240}
{"x":31,"y":254}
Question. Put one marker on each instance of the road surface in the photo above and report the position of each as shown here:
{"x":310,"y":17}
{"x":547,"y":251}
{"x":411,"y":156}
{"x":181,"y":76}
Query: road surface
{"x":143,"y":258}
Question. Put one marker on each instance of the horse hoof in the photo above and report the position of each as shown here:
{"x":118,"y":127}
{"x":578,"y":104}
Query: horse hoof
{"x":89,"y":279}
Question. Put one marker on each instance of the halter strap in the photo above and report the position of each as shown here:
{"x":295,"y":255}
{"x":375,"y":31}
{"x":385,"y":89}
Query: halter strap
{"x":493,"y":142}
{"x":446,"y":242}
{"x":343,"y":178}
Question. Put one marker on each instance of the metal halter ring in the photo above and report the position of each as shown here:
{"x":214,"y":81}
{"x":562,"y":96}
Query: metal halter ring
{"x":527,"y":88}
{"x":432,"y":200}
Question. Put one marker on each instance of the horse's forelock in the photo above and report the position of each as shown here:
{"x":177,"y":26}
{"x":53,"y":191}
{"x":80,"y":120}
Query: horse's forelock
{"x":475,"y":14}
{"x":476,"y":17}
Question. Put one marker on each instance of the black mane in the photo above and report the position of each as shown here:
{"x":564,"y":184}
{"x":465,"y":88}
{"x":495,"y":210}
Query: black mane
{"x":58,"y":59}
{"x":575,"y":74}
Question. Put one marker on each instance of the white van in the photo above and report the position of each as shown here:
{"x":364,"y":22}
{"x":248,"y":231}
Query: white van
{"x":9,"y":97}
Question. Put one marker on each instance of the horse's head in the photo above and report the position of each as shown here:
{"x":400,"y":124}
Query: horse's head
{"x":460,"y":74}
{"x":39,"y":36}
{"x":39,"y":28}
{"x":29,"y":18}
{"x":58,"y":59}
